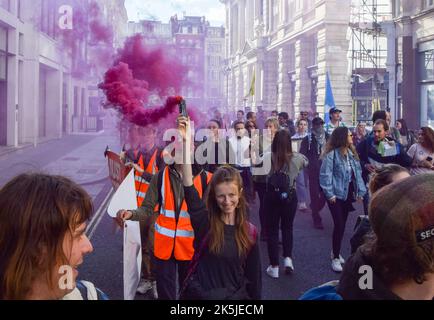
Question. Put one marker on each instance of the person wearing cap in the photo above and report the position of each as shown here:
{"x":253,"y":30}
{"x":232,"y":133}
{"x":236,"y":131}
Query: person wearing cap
{"x":312,"y":147}
{"x":335,"y":120}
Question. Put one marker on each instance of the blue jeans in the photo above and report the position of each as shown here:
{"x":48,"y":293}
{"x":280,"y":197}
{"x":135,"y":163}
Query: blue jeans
{"x":301,"y":186}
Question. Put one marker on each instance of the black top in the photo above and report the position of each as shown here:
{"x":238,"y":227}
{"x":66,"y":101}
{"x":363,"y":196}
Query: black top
{"x":367,"y":149}
{"x":220,"y":276}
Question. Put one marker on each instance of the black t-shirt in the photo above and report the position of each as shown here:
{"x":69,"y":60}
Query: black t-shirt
{"x":227,"y":275}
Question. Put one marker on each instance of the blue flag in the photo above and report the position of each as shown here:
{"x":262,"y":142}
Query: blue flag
{"x":329,"y":99}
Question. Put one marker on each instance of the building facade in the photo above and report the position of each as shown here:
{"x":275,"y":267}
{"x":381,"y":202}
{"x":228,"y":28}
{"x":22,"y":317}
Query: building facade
{"x":198,"y":46}
{"x":414,"y":39}
{"x":44,"y":92}
{"x":215,"y":68}
{"x":283,"y":49}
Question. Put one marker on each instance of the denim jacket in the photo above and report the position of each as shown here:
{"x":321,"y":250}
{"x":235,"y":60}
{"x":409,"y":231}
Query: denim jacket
{"x":334,"y":178}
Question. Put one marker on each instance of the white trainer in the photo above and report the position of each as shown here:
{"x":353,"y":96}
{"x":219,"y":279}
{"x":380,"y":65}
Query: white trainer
{"x":341,"y":259}
{"x":336,"y":265}
{"x":289,"y":266}
{"x":302,"y":206}
{"x":154,"y":290}
{"x":144,"y":286}
{"x":273,"y":272}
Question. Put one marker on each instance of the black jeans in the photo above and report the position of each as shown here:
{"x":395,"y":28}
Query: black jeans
{"x":166,"y":277}
{"x":260,"y":188}
{"x":340,"y":210}
{"x":317,"y":198}
{"x":280,"y":214}
{"x":246,"y":175}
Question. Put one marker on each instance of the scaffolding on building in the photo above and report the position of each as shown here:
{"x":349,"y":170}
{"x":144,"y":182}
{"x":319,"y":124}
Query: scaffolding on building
{"x":368,"y":55}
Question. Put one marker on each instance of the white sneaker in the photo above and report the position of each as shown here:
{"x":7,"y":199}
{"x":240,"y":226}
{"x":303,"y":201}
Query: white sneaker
{"x":341,"y":259}
{"x":302,"y":206}
{"x":273,"y":272}
{"x":144,"y":286}
{"x":154,"y":290}
{"x":336,"y":265}
{"x":289,"y":267}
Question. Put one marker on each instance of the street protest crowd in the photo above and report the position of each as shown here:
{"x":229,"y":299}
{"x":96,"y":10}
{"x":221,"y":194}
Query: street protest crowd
{"x":196,"y":238}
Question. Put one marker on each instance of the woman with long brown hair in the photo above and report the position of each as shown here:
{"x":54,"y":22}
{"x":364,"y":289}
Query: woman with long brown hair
{"x":423,"y":152}
{"x":42,"y":239}
{"x":226,"y":265}
{"x":281,"y":200}
{"x":341,"y":180}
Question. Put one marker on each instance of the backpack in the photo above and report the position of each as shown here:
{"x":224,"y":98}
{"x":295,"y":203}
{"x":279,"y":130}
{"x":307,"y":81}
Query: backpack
{"x":279,"y":185}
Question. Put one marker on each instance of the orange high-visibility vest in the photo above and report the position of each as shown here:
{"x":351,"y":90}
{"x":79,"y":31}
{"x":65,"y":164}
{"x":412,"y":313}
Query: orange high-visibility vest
{"x":171,"y":236}
{"x":141,"y":184}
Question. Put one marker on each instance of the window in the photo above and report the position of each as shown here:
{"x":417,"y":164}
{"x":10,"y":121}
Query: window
{"x":427,"y":61}
{"x":3,"y":68}
{"x":275,"y":14}
{"x":428,"y":4}
{"x":396,"y":8}
{"x":5,"y":4}
{"x":309,"y":5}
{"x":214,"y":48}
{"x":48,"y":18}
{"x":213,"y":61}
{"x":291,"y":62}
{"x":289,"y":10}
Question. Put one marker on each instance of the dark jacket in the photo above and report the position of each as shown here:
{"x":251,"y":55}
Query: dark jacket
{"x":309,"y":148}
{"x":349,"y":288}
{"x":367,"y":150}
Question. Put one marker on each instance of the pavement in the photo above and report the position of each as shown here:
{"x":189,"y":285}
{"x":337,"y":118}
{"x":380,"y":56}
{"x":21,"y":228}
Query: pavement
{"x":78,"y":157}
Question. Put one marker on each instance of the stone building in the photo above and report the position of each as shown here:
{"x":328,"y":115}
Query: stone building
{"x":286,"y":47}
{"x":44,"y":89}
{"x":198,"y":46}
{"x":414,"y":21}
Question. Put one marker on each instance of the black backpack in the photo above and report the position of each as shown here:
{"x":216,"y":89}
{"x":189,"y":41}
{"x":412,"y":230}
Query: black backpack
{"x":279,"y":185}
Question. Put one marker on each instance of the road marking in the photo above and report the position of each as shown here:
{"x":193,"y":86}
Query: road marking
{"x":92,"y":226}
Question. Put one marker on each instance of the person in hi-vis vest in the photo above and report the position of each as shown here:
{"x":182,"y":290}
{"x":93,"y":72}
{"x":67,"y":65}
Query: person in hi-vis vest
{"x":145,"y":157}
{"x":173,"y":237}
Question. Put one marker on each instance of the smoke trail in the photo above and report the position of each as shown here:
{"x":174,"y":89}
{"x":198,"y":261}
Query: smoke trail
{"x":89,"y":31}
{"x":156,"y":65}
{"x":141,"y":73}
